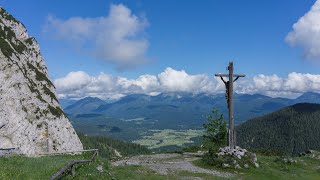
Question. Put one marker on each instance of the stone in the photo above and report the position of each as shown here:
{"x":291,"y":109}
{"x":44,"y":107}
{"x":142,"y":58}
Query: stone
{"x":256,"y":165}
{"x":254,"y":158}
{"x":100,"y":168}
{"x":224,"y":165}
{"x":246,"y":166}
{"x":28,"y":103}
{"x":241,"y":153}
{"x":237,"y":166}
{"x":234,"y":161}
{"x":238,"y":156}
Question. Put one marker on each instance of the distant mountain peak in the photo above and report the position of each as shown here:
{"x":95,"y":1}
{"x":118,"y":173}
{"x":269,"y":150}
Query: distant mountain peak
{"x":309,"y":94}
{"x":311,"y":97}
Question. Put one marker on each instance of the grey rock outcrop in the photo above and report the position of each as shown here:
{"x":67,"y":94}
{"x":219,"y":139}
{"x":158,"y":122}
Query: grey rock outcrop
{"x":28,"y":101}
{"x":238,"y":157}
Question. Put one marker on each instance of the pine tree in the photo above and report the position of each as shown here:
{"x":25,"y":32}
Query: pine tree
{"x":215,"y":134}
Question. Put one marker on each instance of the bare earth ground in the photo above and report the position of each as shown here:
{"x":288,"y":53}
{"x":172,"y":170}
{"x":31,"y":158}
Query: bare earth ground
{"x":165,"y":164}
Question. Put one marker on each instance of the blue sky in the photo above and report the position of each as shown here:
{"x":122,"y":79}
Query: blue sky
{"x":200,"y":37}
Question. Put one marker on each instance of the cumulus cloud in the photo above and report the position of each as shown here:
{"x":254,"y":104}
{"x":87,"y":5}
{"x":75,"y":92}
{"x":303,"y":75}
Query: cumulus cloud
{"x":306,"y":32}
{"x":108,"y":86}
{"x":80,"y":84}
{"x":291,"y":86}
{"x":118,"y":38}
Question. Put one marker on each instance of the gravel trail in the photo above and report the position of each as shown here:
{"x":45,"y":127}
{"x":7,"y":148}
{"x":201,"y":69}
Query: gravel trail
{"x":165,"y":164}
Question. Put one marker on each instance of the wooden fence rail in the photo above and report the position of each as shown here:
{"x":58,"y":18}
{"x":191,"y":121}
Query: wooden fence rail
{"x":71,"y":166}
{"x":6,"y":151}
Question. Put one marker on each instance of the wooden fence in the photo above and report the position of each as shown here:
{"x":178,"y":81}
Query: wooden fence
{"x":71,"y":166}
{"x":6,"y":151}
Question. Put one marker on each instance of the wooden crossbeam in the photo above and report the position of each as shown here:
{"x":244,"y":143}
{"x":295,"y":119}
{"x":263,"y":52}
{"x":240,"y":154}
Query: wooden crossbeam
{"x":227,"y":75}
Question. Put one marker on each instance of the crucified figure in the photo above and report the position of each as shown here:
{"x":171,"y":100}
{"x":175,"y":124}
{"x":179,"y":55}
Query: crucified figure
{"x":227,"y":88}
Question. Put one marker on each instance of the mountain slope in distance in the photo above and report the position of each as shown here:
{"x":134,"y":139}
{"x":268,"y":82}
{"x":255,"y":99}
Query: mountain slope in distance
{"x":291,"y":130}
{"x":183,"y":110}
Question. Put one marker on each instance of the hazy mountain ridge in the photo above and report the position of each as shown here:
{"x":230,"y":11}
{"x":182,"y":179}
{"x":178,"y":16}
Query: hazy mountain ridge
{"x":187,"y":110}
{"x":85,"y":105}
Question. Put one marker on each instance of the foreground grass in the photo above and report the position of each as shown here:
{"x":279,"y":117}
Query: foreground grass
{"x":305,"y":168}
{"x":20,"y":167}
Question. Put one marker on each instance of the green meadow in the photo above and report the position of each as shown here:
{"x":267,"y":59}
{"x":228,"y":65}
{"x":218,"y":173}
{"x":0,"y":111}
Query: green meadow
{"x":168,"y":137}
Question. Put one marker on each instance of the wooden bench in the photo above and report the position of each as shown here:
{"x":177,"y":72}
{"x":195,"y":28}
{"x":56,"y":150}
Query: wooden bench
{"x":71,"y":166}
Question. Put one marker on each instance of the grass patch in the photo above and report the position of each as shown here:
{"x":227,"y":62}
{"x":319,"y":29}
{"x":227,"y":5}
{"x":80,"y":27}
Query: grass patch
{"x":20,"y":167}
{"x":305,"y":168}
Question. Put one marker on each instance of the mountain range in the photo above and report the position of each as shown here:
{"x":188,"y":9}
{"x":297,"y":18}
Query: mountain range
{"x":182,"y":110}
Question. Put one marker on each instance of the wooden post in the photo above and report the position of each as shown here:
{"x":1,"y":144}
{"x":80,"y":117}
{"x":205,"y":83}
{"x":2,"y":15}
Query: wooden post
{"x":47,"y":136}
{"x":229,"y":86}
{"x":73,"y":170}
{"x":230,"y":95}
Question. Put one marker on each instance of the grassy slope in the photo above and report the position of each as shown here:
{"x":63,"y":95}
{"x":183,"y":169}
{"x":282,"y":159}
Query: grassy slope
{"x":43,"y":167}
{"x":19,"y":167}
{"x":306,"y":168}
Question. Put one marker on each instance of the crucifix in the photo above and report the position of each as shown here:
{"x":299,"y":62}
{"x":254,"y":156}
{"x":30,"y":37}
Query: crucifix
{"x":229,"y":97}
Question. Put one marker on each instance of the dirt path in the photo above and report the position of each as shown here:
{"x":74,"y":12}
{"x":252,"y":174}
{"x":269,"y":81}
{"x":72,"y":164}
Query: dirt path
{"x":165,"y":164}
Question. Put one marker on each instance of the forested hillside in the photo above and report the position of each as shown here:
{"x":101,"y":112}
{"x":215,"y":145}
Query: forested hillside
{"x":109,"y":147}
{"x":290,"y":130}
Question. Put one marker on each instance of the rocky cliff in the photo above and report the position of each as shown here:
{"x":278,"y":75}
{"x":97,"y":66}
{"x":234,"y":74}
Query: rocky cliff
{"x":29,"y":110}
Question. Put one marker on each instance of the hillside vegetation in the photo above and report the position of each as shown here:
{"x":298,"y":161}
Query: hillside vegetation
{"x":109,"y":147}
{"x":291,"y":130}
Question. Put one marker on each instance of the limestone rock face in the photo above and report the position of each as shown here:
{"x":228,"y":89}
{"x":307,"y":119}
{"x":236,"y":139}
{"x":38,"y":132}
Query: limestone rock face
{"x":29,"y":110}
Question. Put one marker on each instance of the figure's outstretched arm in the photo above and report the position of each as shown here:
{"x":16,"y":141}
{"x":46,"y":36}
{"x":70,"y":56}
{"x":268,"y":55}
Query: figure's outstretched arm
{"x":236,"y":79}
{"x":223,"y":79}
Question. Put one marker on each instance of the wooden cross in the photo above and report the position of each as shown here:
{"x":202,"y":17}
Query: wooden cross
{"x":229,"y":97}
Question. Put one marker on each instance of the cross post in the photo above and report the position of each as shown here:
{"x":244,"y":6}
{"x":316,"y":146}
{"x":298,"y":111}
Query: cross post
{"x":229,"y":97}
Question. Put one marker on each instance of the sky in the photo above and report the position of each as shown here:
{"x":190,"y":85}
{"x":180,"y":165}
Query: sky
{"x":111,"y":48}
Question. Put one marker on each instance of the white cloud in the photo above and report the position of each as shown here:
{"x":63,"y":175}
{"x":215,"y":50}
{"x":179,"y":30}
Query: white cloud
{"x":293,"y":85}
{"x":172,"y":80}
{"x":306,"y":32}
{"x":79,"y":84}
{"x":73,"y":81}
{"x":118,"y":38}
{"x":108,"y":86}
